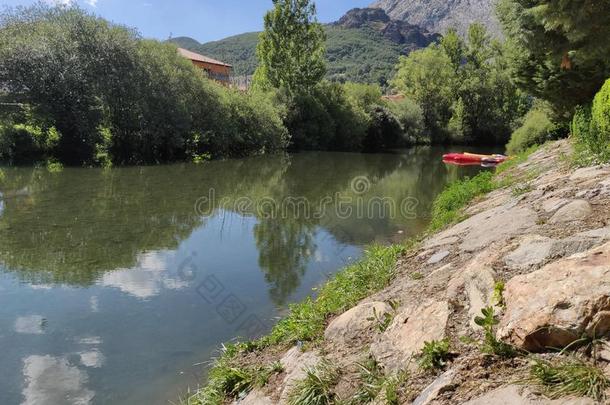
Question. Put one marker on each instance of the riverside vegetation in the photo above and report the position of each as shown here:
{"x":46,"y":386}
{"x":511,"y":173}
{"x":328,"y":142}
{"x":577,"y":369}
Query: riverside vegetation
{"x":503,"y":253}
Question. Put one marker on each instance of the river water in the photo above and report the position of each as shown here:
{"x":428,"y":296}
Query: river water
{"x":118,"y":285}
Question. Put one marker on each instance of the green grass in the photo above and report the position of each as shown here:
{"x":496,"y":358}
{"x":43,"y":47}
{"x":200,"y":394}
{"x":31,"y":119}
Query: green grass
{"x":305,"y":323}
{"x":316,"y":387}
{"x":491,"y":345}
{"x":307,"y":319}
{"x":569,"y":377}
{"x":448,"y":206}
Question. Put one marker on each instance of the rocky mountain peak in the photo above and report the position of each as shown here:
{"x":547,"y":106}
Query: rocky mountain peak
{"x":440,"y":15}
{"x":400,"y":32}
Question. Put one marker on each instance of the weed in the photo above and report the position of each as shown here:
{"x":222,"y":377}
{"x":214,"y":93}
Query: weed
{"x":435,"y":355}
{"x":394,"y":386}
{"x":521,"y":189}
{"x":569,"y":377}
{"x":491,"y":345}
{"x":384,"y":321}
{"x":498,"y":293}
{"x":54,"y":166}
{"x":416,"y":276}
{"x":316,"y":387}
{"x":372,"y":381}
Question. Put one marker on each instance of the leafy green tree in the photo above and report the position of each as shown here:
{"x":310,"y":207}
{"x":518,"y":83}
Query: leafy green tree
{"x":561,"y":51}
{"x":427,"y":77}
{"x":291,"y":49}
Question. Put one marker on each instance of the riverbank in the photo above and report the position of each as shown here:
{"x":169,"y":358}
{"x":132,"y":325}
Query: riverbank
{"x":476,"y":312}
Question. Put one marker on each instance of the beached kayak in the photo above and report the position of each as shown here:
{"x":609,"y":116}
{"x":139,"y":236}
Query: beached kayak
{"x":474,"y":158}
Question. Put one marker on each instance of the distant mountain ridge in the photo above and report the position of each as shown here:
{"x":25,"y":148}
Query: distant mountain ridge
{"x":363,"y":46}
{"x":440,"y":15}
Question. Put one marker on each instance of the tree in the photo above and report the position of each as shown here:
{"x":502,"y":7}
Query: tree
{"x":561,"y":51}
{"x":427,"y":77}
{"x":291,"y":49}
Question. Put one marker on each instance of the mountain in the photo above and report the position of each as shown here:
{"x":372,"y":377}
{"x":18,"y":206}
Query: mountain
{"x":440,"y":15}
{"x":363,"y":46}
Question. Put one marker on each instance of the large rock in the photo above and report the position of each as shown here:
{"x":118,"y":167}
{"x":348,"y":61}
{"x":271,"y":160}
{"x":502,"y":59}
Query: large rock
{"x":556,"y":305}
{"x":588,"y":173}
{"x":408,"y":332}
{"x":515,"y":395}
{"x":577,"y":210}
{"x":487,"y":227}
{"x":355,"y":322}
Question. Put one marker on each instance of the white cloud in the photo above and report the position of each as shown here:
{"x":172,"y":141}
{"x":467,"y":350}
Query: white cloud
{"x":92,"y":3}
{"x":30,"y":325}
{"x":93,"y":358}
{"x":52,"y":380}
{"x":147,"y":279}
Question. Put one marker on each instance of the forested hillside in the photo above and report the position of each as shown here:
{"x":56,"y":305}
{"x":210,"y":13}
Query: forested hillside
{"x":363,"y":46}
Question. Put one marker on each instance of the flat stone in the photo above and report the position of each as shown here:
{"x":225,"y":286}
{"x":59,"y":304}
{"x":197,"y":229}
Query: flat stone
{"x":577,"y":210}
{"x":580,"y":242}
{"x":353,"y":323}
{"x":296,"y":363}
{"x":516,"y":395}
{"x":476,"y":280}
{"x":440,"y":385}
{"x":554,"y":203}
{"x":406,"y":335}
{"x":487,"y":227}
{"x":440,"y":241}
{"x":588,"y":173}
{"x":558,"y":304}
{"x":532,"y":250}
{"x":438,"y":257}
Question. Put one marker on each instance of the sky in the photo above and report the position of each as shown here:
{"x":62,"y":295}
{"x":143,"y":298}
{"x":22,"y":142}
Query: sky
{"x":203,"y":20}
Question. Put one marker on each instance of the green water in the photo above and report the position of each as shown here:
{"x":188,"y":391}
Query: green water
{"x":116,"y":286}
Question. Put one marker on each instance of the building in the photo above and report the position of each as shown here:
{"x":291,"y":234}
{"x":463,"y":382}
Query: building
{"x":216,"y":70}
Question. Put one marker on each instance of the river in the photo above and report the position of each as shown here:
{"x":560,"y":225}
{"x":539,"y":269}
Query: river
{"x":119,"y":285}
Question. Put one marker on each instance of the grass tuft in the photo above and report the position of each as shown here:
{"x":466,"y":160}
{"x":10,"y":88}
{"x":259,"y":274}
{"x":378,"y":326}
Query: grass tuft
{"x":307,"y":319}
{"x":434,"y":355}
{"x":569,"y":377}
{"x":316,"y":388}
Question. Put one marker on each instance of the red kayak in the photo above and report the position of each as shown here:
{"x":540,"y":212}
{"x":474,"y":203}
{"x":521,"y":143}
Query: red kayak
{"x":465,"y":158}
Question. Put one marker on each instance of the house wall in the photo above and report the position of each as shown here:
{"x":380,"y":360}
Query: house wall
{"x":216,"y":72}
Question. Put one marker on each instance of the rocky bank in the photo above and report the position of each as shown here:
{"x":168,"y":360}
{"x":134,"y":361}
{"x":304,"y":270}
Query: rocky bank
{"x":546,"y":237}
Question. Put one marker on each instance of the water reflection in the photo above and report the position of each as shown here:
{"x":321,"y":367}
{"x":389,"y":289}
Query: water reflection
{"x":53,"y":380}
{"x":113,"y":258}
{"x":145,"y":279}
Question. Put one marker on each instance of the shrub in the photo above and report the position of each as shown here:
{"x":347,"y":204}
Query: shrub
{"x":384,"y":131}
{"x":326,"y":120}
{"x":411,"y":118}
{"x":537,"y":128}
{"x":434,"y":355}
{"x":25,"y":143}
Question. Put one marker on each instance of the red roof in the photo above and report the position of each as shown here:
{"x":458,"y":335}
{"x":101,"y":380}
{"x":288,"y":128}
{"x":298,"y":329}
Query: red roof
{"x":200,"y":58}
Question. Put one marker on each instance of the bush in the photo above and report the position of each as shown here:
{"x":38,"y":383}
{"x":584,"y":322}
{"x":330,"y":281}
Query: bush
{"x":25,"y":143}
{"x":411,"y":118}
{"x":537,"y":128}
{"x":326,"y":119}
{"x":384,"y":131}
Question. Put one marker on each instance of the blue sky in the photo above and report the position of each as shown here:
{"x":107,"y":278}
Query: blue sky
{"x":204,"y":20}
